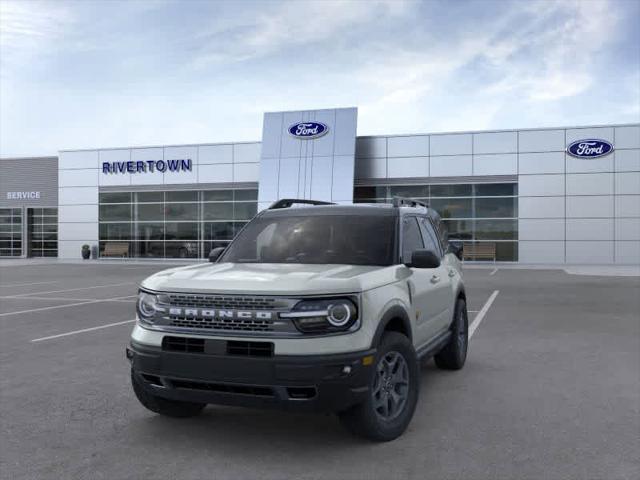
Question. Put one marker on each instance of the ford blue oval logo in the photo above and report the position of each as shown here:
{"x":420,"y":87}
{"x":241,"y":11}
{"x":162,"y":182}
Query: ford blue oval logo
{"x":308,"y":130}
{"x":590,"y":148}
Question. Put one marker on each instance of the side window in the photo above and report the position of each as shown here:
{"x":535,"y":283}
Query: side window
{"x":411,"y":238}
{"x":441,"y":233}
{"x":431,"y":241}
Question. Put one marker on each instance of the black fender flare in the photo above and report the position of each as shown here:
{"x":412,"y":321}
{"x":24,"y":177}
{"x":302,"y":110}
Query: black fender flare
{"x":395,"y":311}
{"x":460,"y":293}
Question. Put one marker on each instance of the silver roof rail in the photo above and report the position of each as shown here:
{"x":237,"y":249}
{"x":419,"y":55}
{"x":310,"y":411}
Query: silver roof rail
{"x":408,"y":202}
{"x":289,"y":202}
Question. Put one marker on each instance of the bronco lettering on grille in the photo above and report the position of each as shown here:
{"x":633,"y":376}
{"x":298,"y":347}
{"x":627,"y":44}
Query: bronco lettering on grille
{"x":210,"y":313}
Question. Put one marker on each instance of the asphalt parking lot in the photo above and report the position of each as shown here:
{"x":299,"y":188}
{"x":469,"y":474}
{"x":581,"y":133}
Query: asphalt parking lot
{"x":551,"y":389}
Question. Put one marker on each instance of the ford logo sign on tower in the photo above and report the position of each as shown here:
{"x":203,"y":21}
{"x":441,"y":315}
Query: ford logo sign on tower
{"x":591,"y":148}
{"x":308,"y":130}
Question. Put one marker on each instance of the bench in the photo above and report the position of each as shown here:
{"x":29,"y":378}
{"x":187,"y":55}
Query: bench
{"x":479,"y":251}
{"x":116,"y":250}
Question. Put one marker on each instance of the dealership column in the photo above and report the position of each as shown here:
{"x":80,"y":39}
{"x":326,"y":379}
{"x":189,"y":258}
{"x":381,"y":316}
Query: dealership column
{"x":308,"y":154}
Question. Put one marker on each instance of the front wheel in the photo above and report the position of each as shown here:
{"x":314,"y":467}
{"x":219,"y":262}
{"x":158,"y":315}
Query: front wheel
{"x":454,"y":353}
{"x":393,"y":392}
{"x":162,"y":406}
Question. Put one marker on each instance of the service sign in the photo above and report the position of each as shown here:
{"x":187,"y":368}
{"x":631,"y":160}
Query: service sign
{"x":308,"y":130}
{"x":23,"y":195}
{"x":589,"y":148}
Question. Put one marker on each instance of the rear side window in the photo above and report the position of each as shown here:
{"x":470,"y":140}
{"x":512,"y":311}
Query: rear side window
{"x":411,"y":238}
{"x":431,"y":241}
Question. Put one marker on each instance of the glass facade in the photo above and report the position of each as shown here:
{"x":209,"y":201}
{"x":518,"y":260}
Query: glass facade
{"x":173,"y":224}
{"x":42,"y":228}
{"x":10,"y":232}
{"x":473,"y":212}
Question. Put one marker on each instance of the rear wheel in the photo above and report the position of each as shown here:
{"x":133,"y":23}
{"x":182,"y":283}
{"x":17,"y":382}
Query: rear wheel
{"x":393,"y":392}
{"x":162,"y":406}
{"x":454,"y":354}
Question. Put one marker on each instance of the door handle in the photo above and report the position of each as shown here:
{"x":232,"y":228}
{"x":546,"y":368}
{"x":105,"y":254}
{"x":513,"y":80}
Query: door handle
{"x":435,"y":279}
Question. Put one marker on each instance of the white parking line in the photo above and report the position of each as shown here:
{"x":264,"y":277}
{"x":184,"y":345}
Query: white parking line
{"x":74,"y":289}
{"x":25,"y":284}
{"x":117,"y":299}
{"x":66,"y":305}
{"x":81,"y":331}
{"x":483,"y":311}
{"x":493,"y":272}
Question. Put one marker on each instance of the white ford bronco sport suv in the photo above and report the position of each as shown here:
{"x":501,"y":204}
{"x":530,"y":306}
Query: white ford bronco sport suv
{"x":321,"y":308}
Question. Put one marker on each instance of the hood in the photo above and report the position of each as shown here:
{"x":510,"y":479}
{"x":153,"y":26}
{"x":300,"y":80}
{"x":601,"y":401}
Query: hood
{"x":271,"y":278}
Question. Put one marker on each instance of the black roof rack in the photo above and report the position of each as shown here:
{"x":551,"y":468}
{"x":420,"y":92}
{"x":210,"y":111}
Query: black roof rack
{"x":288,"y":202}
{"x":408,"y":202}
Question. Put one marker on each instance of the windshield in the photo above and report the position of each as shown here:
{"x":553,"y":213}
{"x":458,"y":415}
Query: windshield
{"x":341,"y":239}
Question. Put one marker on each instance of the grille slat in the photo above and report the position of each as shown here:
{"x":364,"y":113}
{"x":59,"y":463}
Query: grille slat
{"x":183,"y":344}
{"x":250,"y":349}
{"x":217,"y":301}
{"x":225,"y":324}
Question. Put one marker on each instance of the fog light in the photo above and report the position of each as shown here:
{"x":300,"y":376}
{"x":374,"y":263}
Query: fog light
{"x":368,"y":360}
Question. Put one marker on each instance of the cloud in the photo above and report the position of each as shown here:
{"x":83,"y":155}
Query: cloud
{"x":552,"y":57}
{"x":117,"y":73}
{"x":28,"y":27}
{"x":531,"y":53}
{"x":288,"y":25}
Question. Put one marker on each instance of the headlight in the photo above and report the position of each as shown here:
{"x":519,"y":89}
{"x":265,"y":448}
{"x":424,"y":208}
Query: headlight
{"x":324,"y":315}
{"x":147,"y":306}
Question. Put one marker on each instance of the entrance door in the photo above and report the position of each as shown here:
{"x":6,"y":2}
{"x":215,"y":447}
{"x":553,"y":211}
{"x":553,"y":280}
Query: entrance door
{"x":42,"y":232}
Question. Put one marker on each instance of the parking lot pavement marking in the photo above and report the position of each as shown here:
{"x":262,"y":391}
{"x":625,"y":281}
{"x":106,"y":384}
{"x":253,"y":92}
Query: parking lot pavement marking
{"x":66,"y":305}
{"x":117,"y":299}
{"x":25,"y":284}
{"x":483,"y":311}
{"x":493,"y":272}
{"x":75,"y":289}
{"x":100,"y":327}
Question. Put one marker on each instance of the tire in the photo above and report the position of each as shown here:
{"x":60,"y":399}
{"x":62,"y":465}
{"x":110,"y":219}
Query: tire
{"x":454,"y":353}
{"x":368,"y":419}
{"x":162,"y":406}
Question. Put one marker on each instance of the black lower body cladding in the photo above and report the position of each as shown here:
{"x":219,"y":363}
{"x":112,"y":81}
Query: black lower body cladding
{"x":321,"y":383}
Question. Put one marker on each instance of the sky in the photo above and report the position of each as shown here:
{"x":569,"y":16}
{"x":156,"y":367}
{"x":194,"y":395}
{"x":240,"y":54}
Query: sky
{"x":85,"y":74}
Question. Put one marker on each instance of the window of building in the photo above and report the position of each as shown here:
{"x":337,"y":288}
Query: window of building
{"x":42,"y":228}
{"x":10,"y":232}
{"x":471,"y":212}
{"x":174,"y":224}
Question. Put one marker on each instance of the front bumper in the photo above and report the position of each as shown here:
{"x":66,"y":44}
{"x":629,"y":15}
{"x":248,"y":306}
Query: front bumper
{"x":325,"y":383}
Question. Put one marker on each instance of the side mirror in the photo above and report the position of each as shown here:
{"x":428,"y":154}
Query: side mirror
{"x":456,"y":249}
{"x":215,"y":254}
{"x":424,"y":259}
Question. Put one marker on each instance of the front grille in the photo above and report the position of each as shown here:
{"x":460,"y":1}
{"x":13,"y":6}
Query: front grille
{"x":222,"y":301}
{"x":220,"y":314}
{"x":223,"y":324}
{"x":253,"y":390}
{"x":250,"y":349}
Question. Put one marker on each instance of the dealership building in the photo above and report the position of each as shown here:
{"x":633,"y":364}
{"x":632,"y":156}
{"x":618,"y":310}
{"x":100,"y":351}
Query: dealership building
{"x":544,"y":195}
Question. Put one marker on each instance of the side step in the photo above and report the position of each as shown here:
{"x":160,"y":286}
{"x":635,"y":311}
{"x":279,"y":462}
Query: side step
{"x":434,"y":346}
